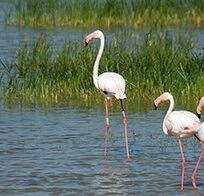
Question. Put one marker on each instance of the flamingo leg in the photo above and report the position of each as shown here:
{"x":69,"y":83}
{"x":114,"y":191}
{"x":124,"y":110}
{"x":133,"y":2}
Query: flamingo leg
{"x":125,"y":128}
{"x":183,"y":163}
{"x":199,"y":160}
{"x":198,"y":139}
{"x":107,"y":127}
{"x":196,"y":167}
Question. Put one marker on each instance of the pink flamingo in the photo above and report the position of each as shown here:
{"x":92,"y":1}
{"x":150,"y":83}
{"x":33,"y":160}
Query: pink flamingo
{"x":200,"y":137}
{"x":182,"y":124}
{"x":109,"y":84}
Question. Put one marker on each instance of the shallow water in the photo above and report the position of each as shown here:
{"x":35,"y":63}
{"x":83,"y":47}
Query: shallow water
{"x":59,"y":151}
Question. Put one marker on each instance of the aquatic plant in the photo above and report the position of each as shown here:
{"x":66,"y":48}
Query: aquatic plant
{"x":160,"y":63}
{"x":86,"y":13}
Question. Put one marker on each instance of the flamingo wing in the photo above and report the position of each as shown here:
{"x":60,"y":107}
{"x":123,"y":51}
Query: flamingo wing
{"x":111,"y":83}
{"x":182,"y":124}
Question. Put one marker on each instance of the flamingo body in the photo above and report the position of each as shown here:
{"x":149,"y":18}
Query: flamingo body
{"x":201,"y":132}
{"x":182,"y":124}
{"x":112,"y":84}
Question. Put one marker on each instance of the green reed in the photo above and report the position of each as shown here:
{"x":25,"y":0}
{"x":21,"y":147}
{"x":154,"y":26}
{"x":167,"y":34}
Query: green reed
{"x":107,"y":13}
{"x":159,"y":64}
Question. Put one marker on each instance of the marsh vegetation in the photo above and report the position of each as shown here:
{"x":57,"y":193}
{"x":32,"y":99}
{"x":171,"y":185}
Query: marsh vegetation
{"x":158,"y":64}
{"x":107,"y":13}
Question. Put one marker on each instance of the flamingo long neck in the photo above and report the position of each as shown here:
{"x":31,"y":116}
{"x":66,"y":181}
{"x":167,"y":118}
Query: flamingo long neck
{"x":171,"y":106}
{"x":96,"y":64}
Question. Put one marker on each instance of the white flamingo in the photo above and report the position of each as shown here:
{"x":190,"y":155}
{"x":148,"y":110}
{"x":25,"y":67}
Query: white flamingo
{"x":109,"y":84}
{"x":182,"y":124}
{"x":201,"y":138}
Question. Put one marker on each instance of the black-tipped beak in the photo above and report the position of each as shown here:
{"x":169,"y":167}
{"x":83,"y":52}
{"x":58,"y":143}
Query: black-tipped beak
{"x":86,"y":43}
{"x":155,"y":107}
{"x":198,"y":115}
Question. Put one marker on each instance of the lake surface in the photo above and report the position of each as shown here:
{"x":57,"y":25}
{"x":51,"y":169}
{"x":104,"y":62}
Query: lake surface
{"x":59,"y":151}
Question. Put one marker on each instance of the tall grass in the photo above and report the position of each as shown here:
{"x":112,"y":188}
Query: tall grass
{"x":159,"y":64}
{"x":86,"y":13}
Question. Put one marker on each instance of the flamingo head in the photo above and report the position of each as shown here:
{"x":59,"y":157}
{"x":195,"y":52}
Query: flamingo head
{"x":95,"y":34}
{"x":200,"y":106}
{"x":164,"y":97}
{"x":88,"y":38}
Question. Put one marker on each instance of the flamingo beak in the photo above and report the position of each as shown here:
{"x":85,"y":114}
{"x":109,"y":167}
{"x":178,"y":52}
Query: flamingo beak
{"x":155,"y":107}
{"x":86,"y":43}
{"x":198,"y":115}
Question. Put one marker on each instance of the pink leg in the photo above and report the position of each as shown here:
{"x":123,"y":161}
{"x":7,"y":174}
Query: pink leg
{"x":107,"y":127}
{"x":196,"y":167}
{"x":183,"y":163}
{"x":125,"y":128}
{"x":199,"y":160}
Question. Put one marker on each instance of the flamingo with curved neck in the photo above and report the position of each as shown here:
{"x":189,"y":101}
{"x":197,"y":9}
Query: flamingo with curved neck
{"x":182,"y":124}
{"x":201,"y":138}
{"x":110,"y":84}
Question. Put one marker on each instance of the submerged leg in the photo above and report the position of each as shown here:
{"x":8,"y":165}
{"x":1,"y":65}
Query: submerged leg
{"x":107,"y":127}
{"x":199,"y":160}
{"x":183,"y":163}
{"x":125,"y":128}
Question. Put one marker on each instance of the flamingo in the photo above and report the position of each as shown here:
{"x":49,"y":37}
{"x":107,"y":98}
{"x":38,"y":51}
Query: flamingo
{"x":200,"y":137}
{"x":109,"y":84}
{"x":182,"y":124}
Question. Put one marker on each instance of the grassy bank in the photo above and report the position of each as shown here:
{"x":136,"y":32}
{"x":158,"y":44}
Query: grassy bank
{"x":159,"y":64}
{"x":86,"y":13}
